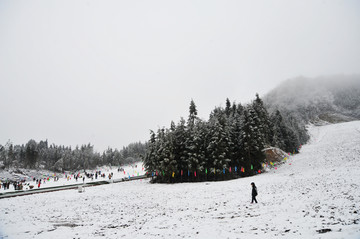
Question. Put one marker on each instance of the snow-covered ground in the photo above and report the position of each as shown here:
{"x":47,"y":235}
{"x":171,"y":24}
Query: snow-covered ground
{"x":48,"y":178}
{"x":318,"y":192}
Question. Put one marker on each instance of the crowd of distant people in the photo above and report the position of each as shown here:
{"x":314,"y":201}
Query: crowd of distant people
{"x":18,"y":185}
{"x":21,"y":184}
{"x":5,"y":185}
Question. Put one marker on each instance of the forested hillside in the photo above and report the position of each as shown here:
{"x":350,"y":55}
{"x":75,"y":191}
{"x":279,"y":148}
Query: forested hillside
{"x":332,"y":98}
{"x":229,"y":144}
{"x":41,"y":155}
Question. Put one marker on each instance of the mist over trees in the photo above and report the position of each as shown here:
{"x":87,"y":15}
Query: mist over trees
{"x":328,"y":98}
{"x":41,"y":155}
{"x":227,"y":145}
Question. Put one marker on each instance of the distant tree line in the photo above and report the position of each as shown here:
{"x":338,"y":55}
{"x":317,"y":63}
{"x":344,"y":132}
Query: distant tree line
{"x":37,"y":155}
{"x":228,"y":145}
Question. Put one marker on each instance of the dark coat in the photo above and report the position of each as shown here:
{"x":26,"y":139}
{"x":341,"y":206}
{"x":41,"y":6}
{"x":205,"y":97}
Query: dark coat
{"x":254,"y":191}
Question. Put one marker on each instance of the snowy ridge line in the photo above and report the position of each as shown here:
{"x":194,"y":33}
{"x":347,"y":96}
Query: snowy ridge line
{"x":67,"y":187}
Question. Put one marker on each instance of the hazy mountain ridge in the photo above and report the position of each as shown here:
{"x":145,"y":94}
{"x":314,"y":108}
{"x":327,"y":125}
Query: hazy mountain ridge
{"x":328,"y":98}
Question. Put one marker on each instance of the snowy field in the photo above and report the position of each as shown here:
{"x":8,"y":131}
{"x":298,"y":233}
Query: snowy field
{"x":318,"y":192}
{"x":69,"y":179}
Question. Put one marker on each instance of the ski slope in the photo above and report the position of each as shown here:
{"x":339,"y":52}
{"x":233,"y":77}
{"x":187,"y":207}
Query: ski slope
{"x":68,"y":179}
{"x":315,"y":194}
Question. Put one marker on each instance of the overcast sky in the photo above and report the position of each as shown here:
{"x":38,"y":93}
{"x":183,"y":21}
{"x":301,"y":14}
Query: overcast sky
{"x":106,"y":72}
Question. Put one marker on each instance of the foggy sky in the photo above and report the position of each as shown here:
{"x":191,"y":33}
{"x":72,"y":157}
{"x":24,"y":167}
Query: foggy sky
{"x":106,"y":72}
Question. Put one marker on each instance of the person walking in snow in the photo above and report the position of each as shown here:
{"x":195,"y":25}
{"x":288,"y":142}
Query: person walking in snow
{"x":254,"y":193}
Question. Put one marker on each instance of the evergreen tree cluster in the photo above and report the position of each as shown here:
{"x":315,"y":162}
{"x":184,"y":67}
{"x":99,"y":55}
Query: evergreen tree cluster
{"x":60,"y":158}
{"x":230,"y":144}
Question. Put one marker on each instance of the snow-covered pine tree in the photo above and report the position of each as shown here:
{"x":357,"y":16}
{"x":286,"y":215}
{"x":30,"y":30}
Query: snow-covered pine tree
{"x":192,"y":114}
{"x":162,"y":155}
{"x":149,"y":159}
{"x":219,"y":149}
{"x":279,"y":131}
{"x":235,"y":135}
{"x":200,"y":142}
{"x":252,"y":141}
{"x":203,"y":139}
{"x":193,"y":144}
{"x":180,"y":135}
{"x":214,"y":149}
{"x":31,"y":153}
{"x":228,"y":108}
{"x":169,"y":163}
{"x":285,"y":135}
{"x":10,"y":156}
{"x":263,"y":119}
{"x":298,"y":129}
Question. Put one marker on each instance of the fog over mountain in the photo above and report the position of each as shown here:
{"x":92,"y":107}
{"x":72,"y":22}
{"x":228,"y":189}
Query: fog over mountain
{"x":327,"y":98}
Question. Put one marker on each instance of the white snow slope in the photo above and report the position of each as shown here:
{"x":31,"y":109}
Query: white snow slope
{"x":319,"y":190}
{"x":130,"y":170}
